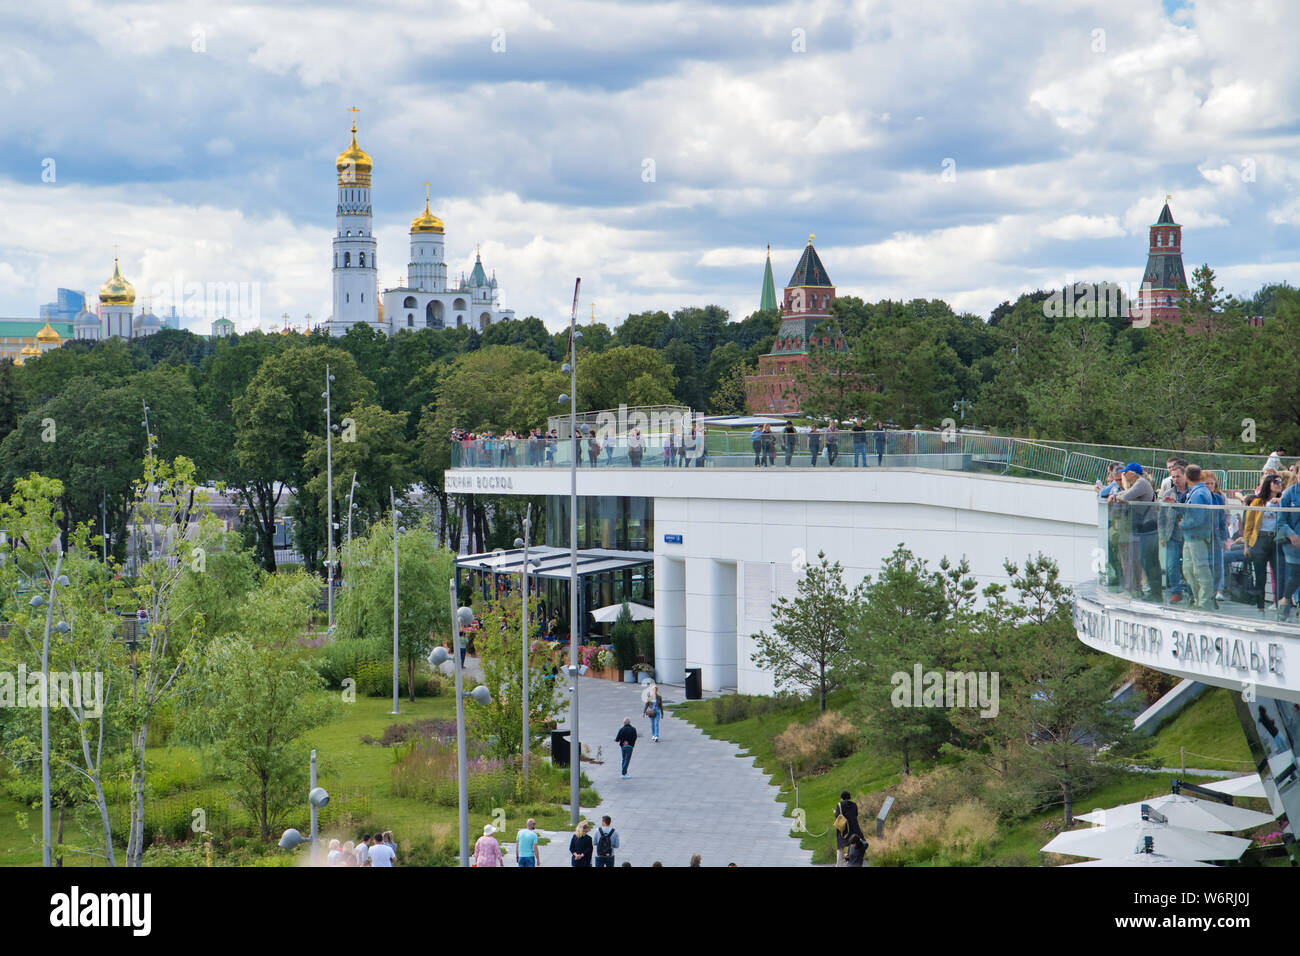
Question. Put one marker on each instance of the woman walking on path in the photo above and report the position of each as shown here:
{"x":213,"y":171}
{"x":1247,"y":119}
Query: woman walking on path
{"x":654,"y":709}
{"x":580,"y":845}
{"x":847,"y":811}
{"x":487,"y":851}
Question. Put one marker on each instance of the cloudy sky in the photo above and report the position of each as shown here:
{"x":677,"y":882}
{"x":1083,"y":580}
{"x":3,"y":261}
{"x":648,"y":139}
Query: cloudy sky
{"x":968,"y":151}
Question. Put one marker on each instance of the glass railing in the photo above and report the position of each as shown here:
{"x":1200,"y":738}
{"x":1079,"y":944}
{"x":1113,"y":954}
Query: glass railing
{"x":952,"y":451}
{"x":1231,"y":558}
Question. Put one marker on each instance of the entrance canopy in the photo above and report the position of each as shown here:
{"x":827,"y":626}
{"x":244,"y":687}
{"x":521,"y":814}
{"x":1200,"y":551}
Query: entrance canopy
{"x":553,"y":563}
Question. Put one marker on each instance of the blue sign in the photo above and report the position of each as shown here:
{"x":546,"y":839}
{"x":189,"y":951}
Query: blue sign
{"x":672,"y":539}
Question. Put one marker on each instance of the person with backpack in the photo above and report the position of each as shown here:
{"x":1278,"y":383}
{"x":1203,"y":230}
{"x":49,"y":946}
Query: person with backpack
{"x":846,"y":826}
{"x":606,"y":842}
{"x":654,"y":709}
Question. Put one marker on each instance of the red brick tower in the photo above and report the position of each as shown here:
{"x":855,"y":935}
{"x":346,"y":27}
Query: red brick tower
{"x":1164,"y":283}
{"x":805,"y":307}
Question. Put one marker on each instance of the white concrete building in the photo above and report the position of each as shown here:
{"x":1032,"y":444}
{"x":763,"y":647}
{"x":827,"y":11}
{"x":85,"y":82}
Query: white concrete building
{"x":728,"y":541}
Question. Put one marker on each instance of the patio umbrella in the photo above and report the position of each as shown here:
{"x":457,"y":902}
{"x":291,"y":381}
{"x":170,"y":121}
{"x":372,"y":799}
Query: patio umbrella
{"x":1140,"y":859}
{"x":1247,"y":786}
{"x":609,"y":614}
{"x":1182,"y":811}
{"x":1180,"y":843}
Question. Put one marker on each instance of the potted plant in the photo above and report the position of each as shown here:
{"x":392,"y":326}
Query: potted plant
{"x":623,"y":636}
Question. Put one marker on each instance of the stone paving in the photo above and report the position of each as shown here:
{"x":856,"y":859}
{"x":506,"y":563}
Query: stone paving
{"x":686,"y":794}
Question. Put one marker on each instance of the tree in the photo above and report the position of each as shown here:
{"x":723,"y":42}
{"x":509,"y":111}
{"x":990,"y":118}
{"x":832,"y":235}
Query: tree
{"x":500,"y":649}
{"x":274,"y":419}
{"x":253,"y":696}
{"x":730,"y":397}
{"x":809,"y":644}
{"x":365,"y":610}
{"x":173,"y":515}
{"x":900,"y":624}
{"x":372,"y":446}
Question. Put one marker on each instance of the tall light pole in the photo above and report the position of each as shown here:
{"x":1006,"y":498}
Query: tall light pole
{"x":329,"y":498}
{"x":351,"y":492}
{"x":460,"y":618}
{"x":528,"y":520}
{"x":396,"y":514}
{"x":36,"y":602}
{"x":575,"y":764}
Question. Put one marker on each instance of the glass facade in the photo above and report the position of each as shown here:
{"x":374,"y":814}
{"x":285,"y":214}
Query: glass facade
{"x":615,"y":522}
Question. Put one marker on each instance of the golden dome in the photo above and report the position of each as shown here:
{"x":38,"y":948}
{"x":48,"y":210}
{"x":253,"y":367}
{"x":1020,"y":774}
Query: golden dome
{"x":381,"y":310}
{"x":116,"y":291}
{"x":47,"y":336}
{"x":426,"y":221}
{"x":354,"y":163}
{"x":30,"y":350}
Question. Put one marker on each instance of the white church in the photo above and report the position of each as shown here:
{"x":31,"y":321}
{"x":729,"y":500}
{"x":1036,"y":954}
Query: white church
{"x":427,"y":299}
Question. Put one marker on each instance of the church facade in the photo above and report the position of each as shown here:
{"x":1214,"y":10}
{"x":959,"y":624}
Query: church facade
{"x":426,"y":299}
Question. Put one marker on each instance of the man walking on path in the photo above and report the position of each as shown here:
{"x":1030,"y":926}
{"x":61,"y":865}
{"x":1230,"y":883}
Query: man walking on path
{"x":526,"y":845}
{"x":626,"y":738}
{"x":606,"y":841}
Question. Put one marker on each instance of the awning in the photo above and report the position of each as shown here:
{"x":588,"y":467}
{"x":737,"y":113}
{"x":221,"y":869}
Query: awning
{"x":553,"y":563}
{"x":608,"y":615}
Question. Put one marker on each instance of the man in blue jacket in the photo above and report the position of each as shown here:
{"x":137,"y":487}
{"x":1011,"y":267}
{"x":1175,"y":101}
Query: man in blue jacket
{"x":1198,"y":537}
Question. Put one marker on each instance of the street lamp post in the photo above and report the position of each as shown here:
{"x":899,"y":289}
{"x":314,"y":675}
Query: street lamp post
{"x":329,"y":498}
{"x":318,"y":798}
{"x":575,"y":763}
{"x":528,"y":516}
{"x":36,"y":602}
{"x":351,"y":492}
{"x":460,"y":618}
{"x":396,"y":514}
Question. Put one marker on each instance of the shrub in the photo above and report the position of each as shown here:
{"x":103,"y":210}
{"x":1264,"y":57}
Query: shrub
{"x":730,"y":708}
{"x":816,"y":745}
{"x":645,"y":639}
{"x":342,"y":659}
{"x":956,"y":835}
{"x":623,"y":639}
{"x":431,"y":729}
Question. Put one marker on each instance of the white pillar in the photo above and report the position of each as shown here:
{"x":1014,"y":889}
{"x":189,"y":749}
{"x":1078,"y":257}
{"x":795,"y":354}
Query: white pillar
{"x":670,"y":619}
{"x":711,"y":621}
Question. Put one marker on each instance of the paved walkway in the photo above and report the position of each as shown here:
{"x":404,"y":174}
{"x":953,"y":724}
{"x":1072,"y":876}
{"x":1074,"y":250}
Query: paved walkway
{"x":686,"y":794}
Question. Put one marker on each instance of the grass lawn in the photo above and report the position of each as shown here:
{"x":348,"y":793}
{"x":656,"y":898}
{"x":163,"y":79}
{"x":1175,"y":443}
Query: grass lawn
{"x":357,"y":775}
{"x":1208,"y":727}
{"x":1206,"y":721}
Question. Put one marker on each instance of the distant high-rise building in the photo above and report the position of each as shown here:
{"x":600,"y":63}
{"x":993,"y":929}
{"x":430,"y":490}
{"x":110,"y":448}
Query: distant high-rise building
{"x":68,"y":303}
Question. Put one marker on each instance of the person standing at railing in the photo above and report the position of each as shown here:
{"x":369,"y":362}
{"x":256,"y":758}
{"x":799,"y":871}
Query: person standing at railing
{"x":790,"y":438}
{"x":1218,"y":536}
{"x":880,"y":443}
{"x":635,"y":448}
{"x":1288,"y":538}
{"x":769,"y":447}
{"x":1168,"y":524}
{"x":681,"y":450}
{"x":814,"y":445}
{"x":670,"y":447}
{"x":832,"y":443}
{"x":1139,"y":497}
{"x":699,"y":446}
{"x":1109,"y":493}
{"x":1197,"y":528}
{"x":859,"y":443}
{"x":1259,"y":534}
{"x":552,"y":439}
{"x":756,"y":439}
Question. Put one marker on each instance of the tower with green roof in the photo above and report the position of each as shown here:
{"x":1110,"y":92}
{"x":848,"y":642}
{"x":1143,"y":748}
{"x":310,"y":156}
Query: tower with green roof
{"x":767,"y":302}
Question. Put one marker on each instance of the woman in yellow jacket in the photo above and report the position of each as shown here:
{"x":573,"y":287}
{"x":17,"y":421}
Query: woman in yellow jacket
{"x":1258,"y":533}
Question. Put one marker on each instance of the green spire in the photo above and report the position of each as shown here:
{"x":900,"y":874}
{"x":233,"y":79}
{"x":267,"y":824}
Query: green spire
{"x":769,"y":287}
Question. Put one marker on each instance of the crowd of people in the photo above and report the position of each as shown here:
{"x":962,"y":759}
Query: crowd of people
{"x":376,"y":849}
{"x":1187,"y":542}
{"x":764,"y":441}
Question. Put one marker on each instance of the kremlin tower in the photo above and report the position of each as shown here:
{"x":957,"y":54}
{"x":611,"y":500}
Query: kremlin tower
{"x":1164,"y":282}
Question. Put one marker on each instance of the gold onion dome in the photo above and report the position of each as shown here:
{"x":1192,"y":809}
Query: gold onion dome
{"x":117,"y":291}
{"x":426,"y":221}
{"x":354,"y":163}
{"x":47,"y":336}
{"x":30,"y":350}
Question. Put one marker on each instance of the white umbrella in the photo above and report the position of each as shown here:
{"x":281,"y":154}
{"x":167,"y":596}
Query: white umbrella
{"x":1179,"y":843}
{"x":608,"y":615}
{"x":1247,"y":786}
{"x":1141,"y":859}
{"x":1182,"y":811}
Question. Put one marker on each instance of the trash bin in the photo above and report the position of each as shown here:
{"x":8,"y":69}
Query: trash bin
{"x":560,"y":748}
{"x":694,"y":690}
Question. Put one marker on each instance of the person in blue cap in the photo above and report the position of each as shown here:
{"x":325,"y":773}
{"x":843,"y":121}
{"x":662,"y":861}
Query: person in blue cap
{"x":1141,"y":552}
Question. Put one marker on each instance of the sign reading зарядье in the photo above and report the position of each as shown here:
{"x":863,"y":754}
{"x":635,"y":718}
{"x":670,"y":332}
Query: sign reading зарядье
{"x":477,"y":482}
{"x":1210,"y":648}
